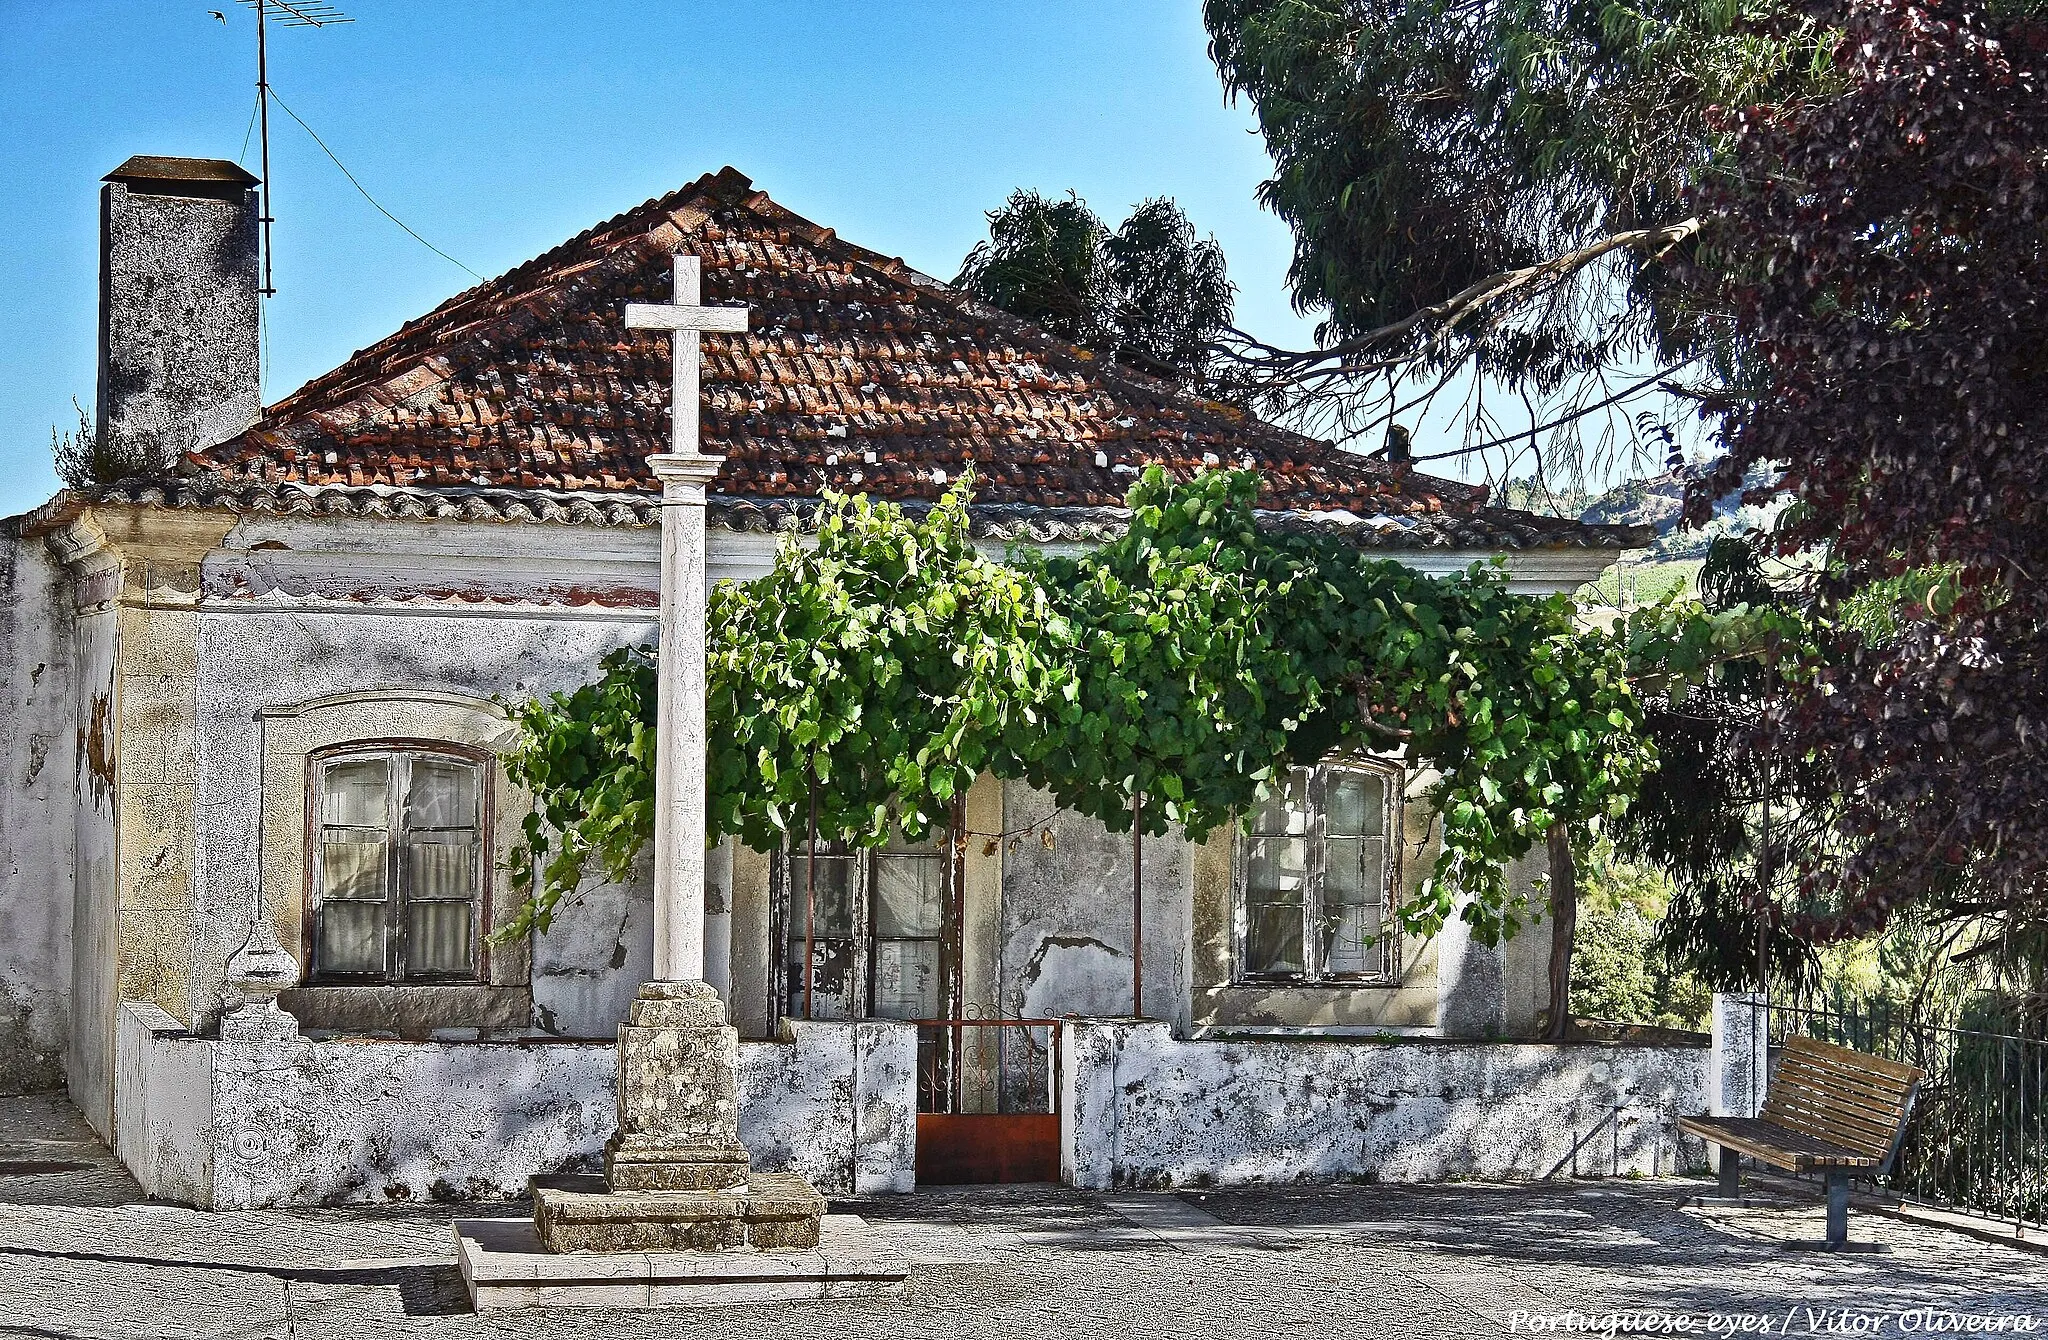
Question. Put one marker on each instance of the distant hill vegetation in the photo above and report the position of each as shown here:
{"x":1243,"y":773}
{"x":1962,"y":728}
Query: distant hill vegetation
{"x":1657,"y":502}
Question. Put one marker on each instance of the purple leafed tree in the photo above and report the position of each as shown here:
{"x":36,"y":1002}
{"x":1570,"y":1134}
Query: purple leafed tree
{"x":1883,"y":253}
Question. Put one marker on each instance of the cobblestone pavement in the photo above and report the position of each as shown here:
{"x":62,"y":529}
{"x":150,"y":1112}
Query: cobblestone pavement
{"x":82,"y":1255}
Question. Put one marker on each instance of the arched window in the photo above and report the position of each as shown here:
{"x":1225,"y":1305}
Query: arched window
{"x":1316,"y":875}
{"x":399,"y":875}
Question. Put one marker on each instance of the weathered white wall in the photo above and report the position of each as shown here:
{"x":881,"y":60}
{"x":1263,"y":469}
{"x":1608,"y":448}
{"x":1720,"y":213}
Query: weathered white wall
{"x":96,"y":892}
{"x":595,"y":954}
{"x":836,"y":1102}
{"x":229,"y":1125}
{"x":163,"y":1087}
{"x":37,"y":797}
{"x":1140,"y":1108}
{"x":251,"y":661}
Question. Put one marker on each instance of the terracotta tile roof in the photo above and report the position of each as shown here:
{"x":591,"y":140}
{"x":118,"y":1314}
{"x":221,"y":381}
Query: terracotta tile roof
{"x":856,"y":372}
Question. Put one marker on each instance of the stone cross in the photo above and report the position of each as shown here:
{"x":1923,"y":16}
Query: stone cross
{"x":684,"y":471}
{"x":676,"y":1174}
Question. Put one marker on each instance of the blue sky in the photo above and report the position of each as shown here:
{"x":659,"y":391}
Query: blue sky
{"x":499,"y":129}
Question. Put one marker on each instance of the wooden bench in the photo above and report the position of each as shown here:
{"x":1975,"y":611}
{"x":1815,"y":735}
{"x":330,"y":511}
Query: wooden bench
{"x":1829,"y":1110}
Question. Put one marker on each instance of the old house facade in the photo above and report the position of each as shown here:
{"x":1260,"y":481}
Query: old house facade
{"x":269,"y":685}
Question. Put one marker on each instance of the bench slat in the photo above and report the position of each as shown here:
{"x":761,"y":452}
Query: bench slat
{"x":1799,"y":1096}
{"x":1888,"y":1096}
{"x":1879,"y":1111}
{"x":1862,"y":1139}
{"x":1794,"y":1151}
{"x":1806,"y":1108}
{"x":1829,"y":1054}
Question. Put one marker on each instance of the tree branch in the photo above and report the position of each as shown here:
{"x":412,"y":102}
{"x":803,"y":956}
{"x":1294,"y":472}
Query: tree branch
{"x":1296,"y":365}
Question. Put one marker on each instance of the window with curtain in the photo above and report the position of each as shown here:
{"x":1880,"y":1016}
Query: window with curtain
{"x":1314,"y":876}
{"x":398,"y":866}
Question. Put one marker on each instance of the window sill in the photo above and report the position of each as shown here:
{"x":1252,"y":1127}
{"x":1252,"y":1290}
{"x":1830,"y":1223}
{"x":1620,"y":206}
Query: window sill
{"x":413,"y":1013}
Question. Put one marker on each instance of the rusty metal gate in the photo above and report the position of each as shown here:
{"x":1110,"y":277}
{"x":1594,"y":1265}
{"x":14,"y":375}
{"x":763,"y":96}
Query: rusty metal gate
{"x":1015,"y":1136}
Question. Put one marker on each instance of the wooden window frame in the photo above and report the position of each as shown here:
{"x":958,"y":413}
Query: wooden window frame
{"x":485,"y":763}
{"x":786,"y":903}
{"x":1392,"y":780}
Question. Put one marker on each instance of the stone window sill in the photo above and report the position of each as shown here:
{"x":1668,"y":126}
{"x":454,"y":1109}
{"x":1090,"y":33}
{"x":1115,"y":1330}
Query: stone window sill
{"x":414,"y":1013}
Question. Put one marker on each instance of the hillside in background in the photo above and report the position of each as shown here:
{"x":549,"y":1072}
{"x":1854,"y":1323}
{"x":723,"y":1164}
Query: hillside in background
{"x":1659,"y":502}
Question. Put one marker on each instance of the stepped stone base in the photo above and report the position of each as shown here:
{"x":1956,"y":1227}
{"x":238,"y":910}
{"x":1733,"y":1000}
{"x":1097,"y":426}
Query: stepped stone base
{"x":768,"y":1212}
{"x":504,"y":1266}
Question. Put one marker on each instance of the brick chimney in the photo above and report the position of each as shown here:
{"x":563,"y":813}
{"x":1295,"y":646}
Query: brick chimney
{"x":178,"y":307}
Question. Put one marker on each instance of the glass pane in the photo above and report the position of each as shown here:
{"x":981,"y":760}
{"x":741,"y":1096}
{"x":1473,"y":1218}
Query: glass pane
{"x":1286,"y":810}
{"x":909,"y":895}
{"x":354,"y":793}
{"x":1351,"y":941}
{"x":1344,"y":874}
{"x":907,"y":979}
{"x":351,"y":938}
{"x":1355,"y":804}
{"x":1276,"y":867}
{"x":929,"y":846}
{"x":1272,"y":941}
{"x":351,"y":867}
{"x":832,"y":913}
{"x":437,"y":940}
{"x":442,"y":794}
{"x":832,"y":982}
{"x":1276,"y":881}
{"x":440,"y":865}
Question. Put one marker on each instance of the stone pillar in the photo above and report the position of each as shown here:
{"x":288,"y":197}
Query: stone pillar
{"x":1738,"y":1066}
{"x":679,"y":759}
{"x":255,"y":976}
{"x":676,"y":1174}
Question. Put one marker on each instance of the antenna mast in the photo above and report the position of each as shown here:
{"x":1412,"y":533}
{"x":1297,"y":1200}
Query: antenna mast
{"x":292,"y":14}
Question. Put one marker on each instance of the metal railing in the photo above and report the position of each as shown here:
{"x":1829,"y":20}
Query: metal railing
{"x":1977,"y":1139}
{"x":946,"y":1070}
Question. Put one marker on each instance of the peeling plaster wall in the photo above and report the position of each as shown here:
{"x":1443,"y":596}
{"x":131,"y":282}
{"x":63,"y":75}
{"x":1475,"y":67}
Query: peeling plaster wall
{"x":590,"y":961}
{"x":37,"y":801}
{"x":1142,"y":1109}
{"x":836,"y":1102}
{"x":227,"y":1125}
{"x":96,"y":893}
{"x":1065,"y":946}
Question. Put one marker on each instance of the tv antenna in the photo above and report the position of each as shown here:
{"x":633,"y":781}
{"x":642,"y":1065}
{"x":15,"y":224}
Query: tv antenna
{"x":289,"y":14}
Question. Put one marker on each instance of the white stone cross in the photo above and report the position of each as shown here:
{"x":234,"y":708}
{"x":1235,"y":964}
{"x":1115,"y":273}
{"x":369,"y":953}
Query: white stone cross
{"x":680,"y":741}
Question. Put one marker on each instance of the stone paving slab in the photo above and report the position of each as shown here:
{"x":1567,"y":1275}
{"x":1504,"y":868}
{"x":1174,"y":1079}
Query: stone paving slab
{"x":83,"y":1257}
{"x":504,"y":1266}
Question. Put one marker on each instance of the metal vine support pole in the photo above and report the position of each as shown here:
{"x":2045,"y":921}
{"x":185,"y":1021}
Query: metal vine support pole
{"x":1137,"y":910}
{"x":811,"y":897}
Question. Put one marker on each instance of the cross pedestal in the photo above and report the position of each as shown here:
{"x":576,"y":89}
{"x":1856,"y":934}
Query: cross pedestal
{"x":676,"y":1175}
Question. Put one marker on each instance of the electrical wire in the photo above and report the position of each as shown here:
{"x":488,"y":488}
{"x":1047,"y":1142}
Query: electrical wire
{"x":247,"y":130}
{"x":365,"y":194}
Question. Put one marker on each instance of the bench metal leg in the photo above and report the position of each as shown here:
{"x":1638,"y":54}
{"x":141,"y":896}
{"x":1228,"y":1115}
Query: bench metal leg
{"x":1728,"y":1182}
{"x":1837,"y":1239}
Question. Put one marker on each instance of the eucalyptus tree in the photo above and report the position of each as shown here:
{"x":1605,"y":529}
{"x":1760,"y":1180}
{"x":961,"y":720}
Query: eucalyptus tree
{"x":1149,"y":293}
{"x":1490,"y":193}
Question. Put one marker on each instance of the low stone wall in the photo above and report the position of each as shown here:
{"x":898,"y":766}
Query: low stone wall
{"x":1140,"y":1108}
{"x":236,"y":1125}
